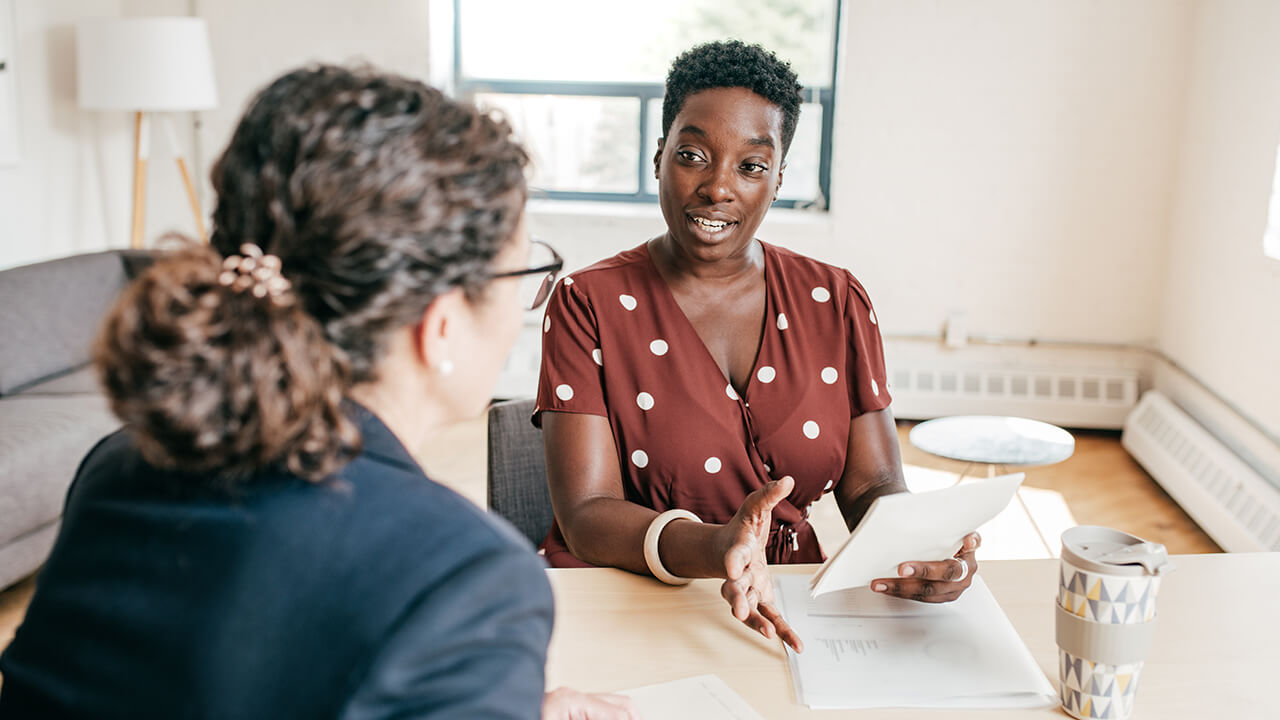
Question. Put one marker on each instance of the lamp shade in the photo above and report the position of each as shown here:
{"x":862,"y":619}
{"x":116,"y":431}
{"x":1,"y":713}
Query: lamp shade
{"x":153,"y":64}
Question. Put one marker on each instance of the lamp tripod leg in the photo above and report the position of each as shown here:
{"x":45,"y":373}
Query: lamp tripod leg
{"x":141,"y":133}
{"x":193,"y":199}
{"x":186,"y":178}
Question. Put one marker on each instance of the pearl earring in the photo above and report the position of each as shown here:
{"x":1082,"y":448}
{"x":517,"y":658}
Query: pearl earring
{"x":445,"y":367}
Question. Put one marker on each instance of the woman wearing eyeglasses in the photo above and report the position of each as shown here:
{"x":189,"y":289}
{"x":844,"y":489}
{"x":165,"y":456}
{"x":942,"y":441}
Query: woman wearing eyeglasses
{"x":699,"y":392}
{"x":258,"y":541}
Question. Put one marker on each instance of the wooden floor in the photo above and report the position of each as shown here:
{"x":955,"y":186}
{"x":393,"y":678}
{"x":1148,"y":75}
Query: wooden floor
{"x":1099,"y":485}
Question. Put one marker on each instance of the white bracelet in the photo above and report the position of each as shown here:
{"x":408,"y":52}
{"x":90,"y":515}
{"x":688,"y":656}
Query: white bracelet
{"x":651,"y":556}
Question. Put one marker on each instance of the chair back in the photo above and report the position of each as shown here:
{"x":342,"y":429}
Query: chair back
{"x":517,"y":480}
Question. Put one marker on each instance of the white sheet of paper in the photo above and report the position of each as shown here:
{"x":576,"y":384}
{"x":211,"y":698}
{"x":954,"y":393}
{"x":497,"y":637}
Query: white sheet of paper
{"x":865,"y":650}
{"x":702,"y":697}
{"x":927,"y":526}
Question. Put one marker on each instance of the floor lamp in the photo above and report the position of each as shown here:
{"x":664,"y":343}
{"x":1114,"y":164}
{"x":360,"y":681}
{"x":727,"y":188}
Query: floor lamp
{"x":147,"y":65}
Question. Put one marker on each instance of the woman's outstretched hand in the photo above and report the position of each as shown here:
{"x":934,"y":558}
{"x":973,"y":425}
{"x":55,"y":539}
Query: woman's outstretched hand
{"x":935,"y":582}
{"x":749,"y":586}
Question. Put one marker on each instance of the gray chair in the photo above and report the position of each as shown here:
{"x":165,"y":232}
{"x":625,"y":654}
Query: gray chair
{"x":517,"y":482}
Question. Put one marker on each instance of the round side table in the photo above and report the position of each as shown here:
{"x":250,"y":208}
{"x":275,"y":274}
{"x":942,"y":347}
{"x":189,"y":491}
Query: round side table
{"x":996,"y":441}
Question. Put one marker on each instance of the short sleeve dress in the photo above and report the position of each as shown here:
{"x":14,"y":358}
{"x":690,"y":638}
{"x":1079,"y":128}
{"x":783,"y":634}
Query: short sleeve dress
{"x":616,"y":344}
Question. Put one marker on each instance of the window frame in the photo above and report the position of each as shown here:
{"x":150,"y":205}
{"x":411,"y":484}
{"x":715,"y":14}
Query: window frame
{"x":469,"y":87}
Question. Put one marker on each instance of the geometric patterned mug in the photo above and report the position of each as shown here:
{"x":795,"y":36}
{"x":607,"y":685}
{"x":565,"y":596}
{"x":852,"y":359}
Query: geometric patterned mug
{"x":1105,"y":617}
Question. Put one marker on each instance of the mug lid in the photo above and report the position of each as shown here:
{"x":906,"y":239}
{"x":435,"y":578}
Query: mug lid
{"x":1104,"y":550}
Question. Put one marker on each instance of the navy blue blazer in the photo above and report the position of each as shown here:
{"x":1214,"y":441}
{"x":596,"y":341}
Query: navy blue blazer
{"x":378,"y":593}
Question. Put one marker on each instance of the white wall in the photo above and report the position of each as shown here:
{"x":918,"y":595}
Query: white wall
{"x":1221,"y":293}
{"x":253,"y":42}
{"x":72,"y":190}
{"x":1011,"y":160}
{"x":69,"y":193}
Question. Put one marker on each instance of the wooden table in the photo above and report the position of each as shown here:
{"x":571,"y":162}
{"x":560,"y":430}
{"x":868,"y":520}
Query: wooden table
{"x":1216,"y":651}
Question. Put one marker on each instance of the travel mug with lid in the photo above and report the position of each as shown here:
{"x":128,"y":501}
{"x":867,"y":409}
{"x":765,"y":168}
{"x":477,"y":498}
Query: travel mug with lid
{"x":1105,"y":618}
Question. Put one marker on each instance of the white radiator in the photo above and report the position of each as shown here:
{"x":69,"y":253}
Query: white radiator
{"x":1235,"y":505}
{"x":1064,"y":396}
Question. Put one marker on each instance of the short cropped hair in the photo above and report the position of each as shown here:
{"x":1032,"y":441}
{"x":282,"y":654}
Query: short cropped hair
{"x":733,"y":63}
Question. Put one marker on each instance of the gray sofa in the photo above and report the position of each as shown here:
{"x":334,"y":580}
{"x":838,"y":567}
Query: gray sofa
{"x":51,"y":409}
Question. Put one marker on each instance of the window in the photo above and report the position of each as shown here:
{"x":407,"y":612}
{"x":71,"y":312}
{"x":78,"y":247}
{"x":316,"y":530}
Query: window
{"x":582,"y":82}
{"x":1271,"y":236}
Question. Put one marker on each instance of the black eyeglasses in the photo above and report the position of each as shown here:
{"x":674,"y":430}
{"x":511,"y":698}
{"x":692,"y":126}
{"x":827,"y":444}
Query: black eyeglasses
{"x":536,"y":282}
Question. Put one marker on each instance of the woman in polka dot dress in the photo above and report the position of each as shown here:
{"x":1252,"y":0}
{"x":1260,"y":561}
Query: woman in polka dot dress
{"x":708,"y":376}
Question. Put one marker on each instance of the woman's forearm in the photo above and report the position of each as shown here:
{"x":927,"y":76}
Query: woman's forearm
{"x":854,"y":508}
{"x":610,"y":532}
{"x":873,"y":465}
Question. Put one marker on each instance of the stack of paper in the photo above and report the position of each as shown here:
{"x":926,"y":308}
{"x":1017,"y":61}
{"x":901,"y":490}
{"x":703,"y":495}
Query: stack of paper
{"x":865,"y":650}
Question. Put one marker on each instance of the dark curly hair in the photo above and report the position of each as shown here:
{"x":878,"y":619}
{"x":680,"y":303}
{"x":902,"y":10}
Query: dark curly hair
{"x":378,"y":194}
{"x":733,"y":63}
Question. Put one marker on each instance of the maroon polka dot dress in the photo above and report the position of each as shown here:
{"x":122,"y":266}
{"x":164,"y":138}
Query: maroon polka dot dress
{"x":616,"y":344}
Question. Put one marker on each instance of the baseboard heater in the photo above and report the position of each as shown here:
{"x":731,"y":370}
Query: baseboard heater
{"x":1235,"y":505}
{"x":1070,"y":397}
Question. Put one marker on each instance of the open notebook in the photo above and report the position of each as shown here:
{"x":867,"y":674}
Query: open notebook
{"x":926,"y":526}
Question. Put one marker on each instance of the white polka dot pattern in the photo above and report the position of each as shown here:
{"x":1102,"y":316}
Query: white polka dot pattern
{"x":800,"y":432}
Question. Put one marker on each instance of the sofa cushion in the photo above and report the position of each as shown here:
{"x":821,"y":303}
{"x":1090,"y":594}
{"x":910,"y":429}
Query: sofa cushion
{"x":42,"y":441}
{"x":49,"y":315}
{"x":24,"y":555}
{"x":81,"y":381}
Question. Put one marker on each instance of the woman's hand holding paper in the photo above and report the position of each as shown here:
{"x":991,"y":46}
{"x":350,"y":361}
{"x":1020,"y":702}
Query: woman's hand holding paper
{"x":935,"y":582}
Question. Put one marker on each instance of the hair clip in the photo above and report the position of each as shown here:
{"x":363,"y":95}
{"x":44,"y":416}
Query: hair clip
{"x":256,"y":272}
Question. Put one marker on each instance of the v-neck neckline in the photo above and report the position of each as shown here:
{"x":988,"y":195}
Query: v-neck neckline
{"x":742,"y":396}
